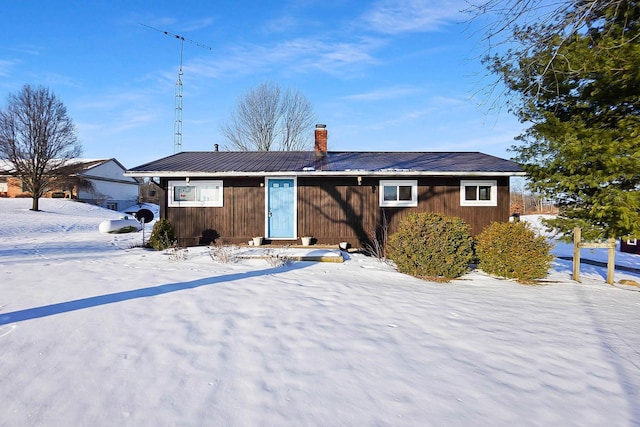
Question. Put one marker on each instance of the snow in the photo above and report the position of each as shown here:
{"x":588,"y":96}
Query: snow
{"x":95,"y":330}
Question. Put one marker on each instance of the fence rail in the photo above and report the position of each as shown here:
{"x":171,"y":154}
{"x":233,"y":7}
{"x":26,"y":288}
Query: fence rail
{"x":578,"y":244}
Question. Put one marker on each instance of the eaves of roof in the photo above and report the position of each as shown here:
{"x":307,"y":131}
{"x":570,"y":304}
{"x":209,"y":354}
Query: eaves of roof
{"x":306,"y":163}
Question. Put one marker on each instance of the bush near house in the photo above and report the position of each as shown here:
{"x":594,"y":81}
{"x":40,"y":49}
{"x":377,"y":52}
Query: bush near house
{"x":431,"y":245}
{"x":162,"y":236}
{"x":512,"y":250}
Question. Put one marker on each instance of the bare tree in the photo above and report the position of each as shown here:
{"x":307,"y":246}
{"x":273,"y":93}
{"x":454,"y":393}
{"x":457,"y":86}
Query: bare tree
{"x":69,"y":178}
{"x":298,"y":118}
{"x":561,"y":17}
{"x":38,"y":138}
{"x":267,"y":119}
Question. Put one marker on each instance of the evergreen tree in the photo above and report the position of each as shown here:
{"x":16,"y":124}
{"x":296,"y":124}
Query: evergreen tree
{"x":580,"y":91}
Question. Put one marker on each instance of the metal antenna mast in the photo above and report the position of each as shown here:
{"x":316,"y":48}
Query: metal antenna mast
{"x":177,"y":125}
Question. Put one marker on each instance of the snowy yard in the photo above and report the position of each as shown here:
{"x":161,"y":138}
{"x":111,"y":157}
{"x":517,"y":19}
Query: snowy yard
{"x":97,"y":332}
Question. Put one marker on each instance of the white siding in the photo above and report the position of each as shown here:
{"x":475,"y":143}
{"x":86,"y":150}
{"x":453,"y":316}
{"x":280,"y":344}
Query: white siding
{"x":110,"y":185}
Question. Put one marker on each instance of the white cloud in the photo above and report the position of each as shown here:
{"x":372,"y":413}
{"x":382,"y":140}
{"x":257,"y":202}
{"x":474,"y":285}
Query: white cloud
{"x":5,"y":67}
{"x":115,"y":100}
{"x":405,"y":118}
{"x":53,"y":80}
{"x":449,"y":101}
{"x":125,"y":121}
{"x":197,"y":24}
{"x":132,"y":119}
{"x":384,"y":93}
{"x":393,"y":16}
{"x":172,"y":27}
{"x":281,"y":24}
{"x":26,"y":49}
{"x":159,"y":23}
{"x":298,"y":55}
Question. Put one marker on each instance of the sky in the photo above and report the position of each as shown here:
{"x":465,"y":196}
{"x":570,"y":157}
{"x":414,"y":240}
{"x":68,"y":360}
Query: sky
{"x":400,"y":75}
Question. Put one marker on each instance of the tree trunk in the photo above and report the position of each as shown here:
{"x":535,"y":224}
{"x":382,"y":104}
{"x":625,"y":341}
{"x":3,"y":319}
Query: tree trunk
{"x":34,"y":203}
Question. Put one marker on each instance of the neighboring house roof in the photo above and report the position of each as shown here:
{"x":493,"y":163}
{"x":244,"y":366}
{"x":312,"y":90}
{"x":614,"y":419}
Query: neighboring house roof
{"x":7,"y":167}
{"x":301,"y":163}
{"x":92,"y":163}
{"x":89,"y":169}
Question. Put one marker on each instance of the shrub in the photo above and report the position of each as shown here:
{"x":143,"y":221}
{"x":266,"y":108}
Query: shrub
{"x":431,"y":245}
{"x":162,"y":236}
{"x":513,"y":250}
{"x":177,"y":253}
{"x":223,"y":253}
{"x":376,"y":244}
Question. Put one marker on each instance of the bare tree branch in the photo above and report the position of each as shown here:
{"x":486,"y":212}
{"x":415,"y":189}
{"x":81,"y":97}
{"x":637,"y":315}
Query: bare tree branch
{"x":266,"y":119}
{"x":38,"y":138}
{"x":516,"y":28}
{"x":298,"y":118}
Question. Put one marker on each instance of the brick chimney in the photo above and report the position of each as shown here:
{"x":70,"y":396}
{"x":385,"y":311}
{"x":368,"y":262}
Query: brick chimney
{"x":320,"y":146}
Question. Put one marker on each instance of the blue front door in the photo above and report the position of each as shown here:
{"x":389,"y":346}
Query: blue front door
{"x":281,"y":209}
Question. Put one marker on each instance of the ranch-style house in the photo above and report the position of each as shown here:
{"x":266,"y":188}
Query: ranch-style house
{"x":332,"y":196}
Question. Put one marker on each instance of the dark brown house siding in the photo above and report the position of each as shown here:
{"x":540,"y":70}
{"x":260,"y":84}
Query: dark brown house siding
{"x":330,"y":209}
{"x":241,"y":217}
{"x":631,"y":246}
{"x":340,"y":210}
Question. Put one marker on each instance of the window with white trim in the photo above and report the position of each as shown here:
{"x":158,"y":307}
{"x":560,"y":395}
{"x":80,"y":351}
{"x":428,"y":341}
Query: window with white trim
{"x":632,"y":242}
{"x":478,"y":193}
{"x":195,"y":193}
{"x":398,"y":193}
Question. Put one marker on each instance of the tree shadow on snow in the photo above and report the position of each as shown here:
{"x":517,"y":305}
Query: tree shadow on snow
{"x":80,"y":304}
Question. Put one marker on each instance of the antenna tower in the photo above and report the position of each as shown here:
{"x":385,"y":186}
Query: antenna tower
{"x":177,"y":125}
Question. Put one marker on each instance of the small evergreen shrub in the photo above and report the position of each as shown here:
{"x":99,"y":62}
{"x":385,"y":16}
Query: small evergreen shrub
{"x":431,"y":245}
{"x":162,"y":236}
{"x":512,"y":250}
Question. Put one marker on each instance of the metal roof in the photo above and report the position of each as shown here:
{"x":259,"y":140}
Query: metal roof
{"x":212,"y":163}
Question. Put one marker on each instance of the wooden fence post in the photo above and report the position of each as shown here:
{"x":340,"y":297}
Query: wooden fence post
{"x":611,"y":260}
{"x":611,"y":255}
{"x":577,"y":237}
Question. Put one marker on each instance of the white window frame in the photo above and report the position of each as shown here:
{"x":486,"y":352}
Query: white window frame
{"x":198,"y":186}
{"x":413,"y":183}
{"x":632,"y":242}
{"x":493,"y":201}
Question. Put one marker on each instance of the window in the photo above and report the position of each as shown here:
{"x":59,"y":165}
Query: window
{"x":478,"y":193}
{"x":112,"y":205}
{"x":195,"y":193}
{"x":632,"y":242}
{"x":399,"y":193}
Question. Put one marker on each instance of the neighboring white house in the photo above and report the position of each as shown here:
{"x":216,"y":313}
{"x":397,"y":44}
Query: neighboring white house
{"x":111,"y":189}
{"x":108,"y":187}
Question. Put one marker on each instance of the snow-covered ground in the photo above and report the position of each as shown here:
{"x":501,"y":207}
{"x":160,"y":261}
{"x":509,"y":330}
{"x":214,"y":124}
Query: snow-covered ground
{"x":97,"y":331}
